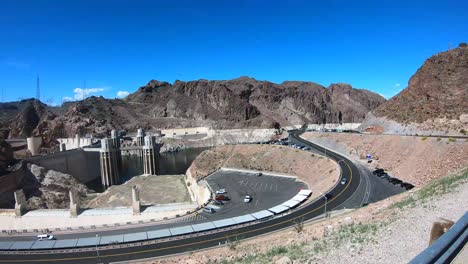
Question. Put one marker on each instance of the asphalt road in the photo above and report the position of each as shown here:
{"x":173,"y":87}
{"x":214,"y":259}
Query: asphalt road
{"x":337,"y":196}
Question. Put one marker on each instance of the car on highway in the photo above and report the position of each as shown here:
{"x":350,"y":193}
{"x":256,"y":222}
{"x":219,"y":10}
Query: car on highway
{"x":221,"y":191}
{"x":208,"y":210}
{"x":344,"y":181}
{"x":45,"y":237}
{"x":247,"y":199}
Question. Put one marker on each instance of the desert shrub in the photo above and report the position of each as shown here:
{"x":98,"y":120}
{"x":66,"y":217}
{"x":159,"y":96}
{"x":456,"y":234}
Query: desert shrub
{"x":439,"y":139}
{"x":424,"y":138}
{"x":452,"y":139}
{"x":463,"y":131}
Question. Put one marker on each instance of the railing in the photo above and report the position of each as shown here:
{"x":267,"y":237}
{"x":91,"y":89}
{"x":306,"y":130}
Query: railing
{"x":447,"y":247}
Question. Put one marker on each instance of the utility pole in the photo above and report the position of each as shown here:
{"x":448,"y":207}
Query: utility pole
{"x":38,"y":90}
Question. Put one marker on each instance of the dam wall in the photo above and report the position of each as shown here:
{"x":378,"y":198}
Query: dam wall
{"x":83,"y":165}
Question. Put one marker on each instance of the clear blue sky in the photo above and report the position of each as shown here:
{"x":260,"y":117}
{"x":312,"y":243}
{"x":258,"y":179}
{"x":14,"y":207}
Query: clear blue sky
{"x":121,"y":45}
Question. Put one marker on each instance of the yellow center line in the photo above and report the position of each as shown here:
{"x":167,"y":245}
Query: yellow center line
{"x":193,"y":243}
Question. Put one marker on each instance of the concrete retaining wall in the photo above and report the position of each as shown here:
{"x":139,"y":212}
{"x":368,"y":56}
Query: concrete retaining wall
{"x":344,"y":126}
{"x":170,"y":133}
{"x":84,"y":166}
{"x":73,"y":143}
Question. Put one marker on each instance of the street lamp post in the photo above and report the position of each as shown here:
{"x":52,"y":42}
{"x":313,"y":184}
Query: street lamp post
{"x":97,"y":251}
{"x":326,"y":201}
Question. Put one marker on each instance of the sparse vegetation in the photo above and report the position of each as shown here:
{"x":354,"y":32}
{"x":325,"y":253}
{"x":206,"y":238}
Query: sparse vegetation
{"x":424,"y":138}
{"x":439,"y":139}
{"x":299,"y":225}
{"x":435,"y":188}
{"x":452,"y":139}
{"x":463,"y":131}
{"x":357,"y":234}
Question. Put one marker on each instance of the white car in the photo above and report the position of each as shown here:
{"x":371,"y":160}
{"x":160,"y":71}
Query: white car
{"x":221,"y":191}
{"x":247,"y":199}
{"x":45,"y":237}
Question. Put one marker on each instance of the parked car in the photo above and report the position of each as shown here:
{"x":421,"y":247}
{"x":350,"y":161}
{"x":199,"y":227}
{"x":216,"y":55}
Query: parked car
{"x":344,"y":181}
{"x":221,"y":198}
{"x":247,"y":199}
{"x":217,"y":202}
{"x":378,"y":172}
{"x":45,"y":237}
{"x":208,"y":210}
{"x":221,"y":191}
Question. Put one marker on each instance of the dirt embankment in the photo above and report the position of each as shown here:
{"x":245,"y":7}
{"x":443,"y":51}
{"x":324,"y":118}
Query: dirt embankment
{"x":153,"y":190}
{"x":417,"y":160}
{"x":318,"y":172}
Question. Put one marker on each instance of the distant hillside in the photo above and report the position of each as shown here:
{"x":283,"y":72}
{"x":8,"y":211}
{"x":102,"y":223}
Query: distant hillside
{"x":237,"y":103}
{"x":435,"y":101}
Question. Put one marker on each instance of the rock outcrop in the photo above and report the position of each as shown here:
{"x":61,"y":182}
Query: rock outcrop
{"x":49,"y":189}
{"x":435,"y":101}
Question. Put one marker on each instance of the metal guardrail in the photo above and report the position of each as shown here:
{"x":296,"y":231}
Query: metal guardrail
{"x":447,"y":247}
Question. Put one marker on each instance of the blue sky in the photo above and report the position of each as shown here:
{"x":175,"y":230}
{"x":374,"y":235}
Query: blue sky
{"x":117,"y":45}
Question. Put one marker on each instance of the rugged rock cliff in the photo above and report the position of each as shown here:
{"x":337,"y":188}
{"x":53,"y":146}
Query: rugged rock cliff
{"x":435,"y":101}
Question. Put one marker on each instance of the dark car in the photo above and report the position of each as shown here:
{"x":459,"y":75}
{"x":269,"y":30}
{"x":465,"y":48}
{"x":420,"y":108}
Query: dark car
{"x":396,"y":181}
{"x":378,"y":172}
{"x":221,"y":198}
{"x":327,"y":196}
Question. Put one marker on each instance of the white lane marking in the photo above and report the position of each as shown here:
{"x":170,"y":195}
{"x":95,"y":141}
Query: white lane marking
{"x":271,"y":187}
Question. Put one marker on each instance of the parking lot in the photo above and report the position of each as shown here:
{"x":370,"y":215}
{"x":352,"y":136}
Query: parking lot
{"x":266,"y":191}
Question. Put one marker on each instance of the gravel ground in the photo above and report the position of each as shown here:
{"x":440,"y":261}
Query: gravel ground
{"x":406,"y":235}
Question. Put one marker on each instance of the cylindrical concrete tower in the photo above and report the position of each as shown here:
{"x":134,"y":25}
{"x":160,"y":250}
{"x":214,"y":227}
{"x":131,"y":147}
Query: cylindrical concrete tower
{"x":150,"y":162}
{"x":140,"y":137}
{"x":109,"y":165}
{"x":116,"y":142}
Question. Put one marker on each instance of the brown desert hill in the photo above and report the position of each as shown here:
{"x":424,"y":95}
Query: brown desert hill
{"x":436,"y":98}
{"x":238,"y":103}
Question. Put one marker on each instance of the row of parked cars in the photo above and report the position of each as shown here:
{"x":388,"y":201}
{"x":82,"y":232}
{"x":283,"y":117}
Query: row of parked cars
{"x":221,"y":198}
{"x":384,"y":175}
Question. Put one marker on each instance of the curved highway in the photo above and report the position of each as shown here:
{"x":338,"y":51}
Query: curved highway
{"x":147,"y":249}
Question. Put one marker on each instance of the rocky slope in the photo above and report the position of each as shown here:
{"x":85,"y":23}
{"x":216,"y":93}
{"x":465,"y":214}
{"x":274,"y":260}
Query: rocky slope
{"x":435,"y":101}
{"x":49,"y":189}
{"x":6,"y":155}
{"x":237,"y":103}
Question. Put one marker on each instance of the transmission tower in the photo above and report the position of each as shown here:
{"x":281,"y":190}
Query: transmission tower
{"x":38,"y":90}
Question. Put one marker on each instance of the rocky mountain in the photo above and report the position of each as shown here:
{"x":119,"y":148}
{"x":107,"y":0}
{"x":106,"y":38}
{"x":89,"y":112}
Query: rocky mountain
{"x":246,"y":102}
{"x":435,"y":101}
{"x":238,"y":103}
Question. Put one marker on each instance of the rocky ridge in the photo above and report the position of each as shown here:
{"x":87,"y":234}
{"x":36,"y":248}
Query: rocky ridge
{"x":238,"y":103}
{"x":435,"y":101}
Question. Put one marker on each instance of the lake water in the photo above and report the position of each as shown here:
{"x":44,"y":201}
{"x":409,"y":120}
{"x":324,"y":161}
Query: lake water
{"x":170,"y":163}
